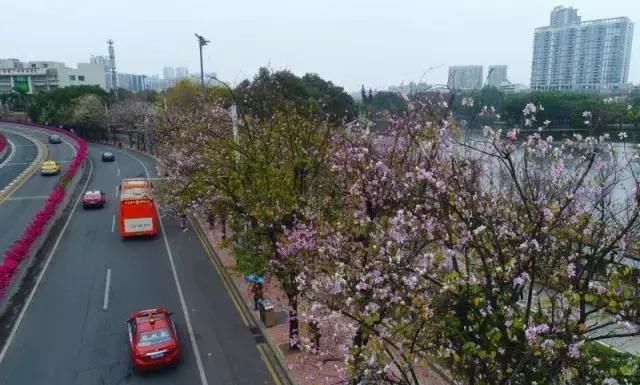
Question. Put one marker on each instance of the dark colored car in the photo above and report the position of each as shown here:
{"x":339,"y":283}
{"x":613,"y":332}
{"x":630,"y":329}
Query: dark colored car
{"x":94,"y":199}
{"x":55,"y":139}
{"x":108,"y":157}
{"x":153,"y":341}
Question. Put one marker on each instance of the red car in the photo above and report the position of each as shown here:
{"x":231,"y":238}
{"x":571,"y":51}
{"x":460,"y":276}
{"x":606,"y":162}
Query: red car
{"x":94,"y":199}
{"x":153,"y":341}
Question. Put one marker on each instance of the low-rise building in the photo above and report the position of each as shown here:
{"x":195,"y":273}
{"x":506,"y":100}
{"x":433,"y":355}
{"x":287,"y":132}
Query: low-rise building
{"x":37,"y":76}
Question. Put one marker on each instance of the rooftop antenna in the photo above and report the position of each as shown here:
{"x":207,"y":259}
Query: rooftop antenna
{"x":112,"y":64}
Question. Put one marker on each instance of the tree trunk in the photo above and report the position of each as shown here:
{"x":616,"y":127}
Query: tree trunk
{"x":223,"y":219}
{"x":315,"y":335}
{"x":358,"y":343}
{"x":294,"y":333}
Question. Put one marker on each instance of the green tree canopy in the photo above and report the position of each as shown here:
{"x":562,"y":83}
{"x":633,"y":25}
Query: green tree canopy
{"x":268,"y":91}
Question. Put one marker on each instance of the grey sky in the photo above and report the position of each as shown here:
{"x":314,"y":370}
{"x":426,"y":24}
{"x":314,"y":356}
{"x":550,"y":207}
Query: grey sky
{"x":350,"y":42}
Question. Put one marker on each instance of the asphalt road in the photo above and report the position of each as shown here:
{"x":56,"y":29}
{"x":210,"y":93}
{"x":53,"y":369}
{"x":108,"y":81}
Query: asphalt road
{"x":24,"y":152}
{"x":24,"y":203}
{"x":66,"y":337}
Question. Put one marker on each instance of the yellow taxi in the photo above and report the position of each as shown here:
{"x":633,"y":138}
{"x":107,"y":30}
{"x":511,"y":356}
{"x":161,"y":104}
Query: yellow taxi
{"x":50,"y":167}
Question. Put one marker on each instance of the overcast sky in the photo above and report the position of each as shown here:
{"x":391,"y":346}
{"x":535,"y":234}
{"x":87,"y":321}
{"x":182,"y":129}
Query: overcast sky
{"x":351,"y":42}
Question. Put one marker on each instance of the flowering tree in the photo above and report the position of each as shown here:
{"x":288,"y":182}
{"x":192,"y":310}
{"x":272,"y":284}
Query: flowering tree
{"x":371,"y":261}
{"x":536,"y":263}
{"x":88,"y":116}
{"x":136,"y":117}
{"x":504,"y":256}
{"x":263,"y":177}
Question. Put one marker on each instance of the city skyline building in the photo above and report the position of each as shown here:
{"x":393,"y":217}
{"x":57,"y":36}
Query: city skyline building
{"x":169,"y":73}
{"x":132,"y":82}
{"x":181,"y":72}
{"x":564,"y":16}
{"x":497,"y":75}
{"x":571,"y":54}
{"x":468,"y":77}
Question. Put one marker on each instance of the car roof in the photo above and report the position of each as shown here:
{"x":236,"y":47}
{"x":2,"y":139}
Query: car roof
{"x":54,"y":136}
{"x":49,"y":162}
{"x":149,"y":322}
{"x":93,"y":192}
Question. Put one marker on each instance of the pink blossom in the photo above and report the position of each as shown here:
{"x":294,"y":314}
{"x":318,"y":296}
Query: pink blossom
{"x":571,"y":270}
{"x":574,"y":350}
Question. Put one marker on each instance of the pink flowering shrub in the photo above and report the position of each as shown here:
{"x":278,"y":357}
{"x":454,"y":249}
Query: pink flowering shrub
{"x":3,"y":142}
{"x":20,"y":250}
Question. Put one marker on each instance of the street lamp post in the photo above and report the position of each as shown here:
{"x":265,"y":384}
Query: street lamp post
{"x":201,"y":42}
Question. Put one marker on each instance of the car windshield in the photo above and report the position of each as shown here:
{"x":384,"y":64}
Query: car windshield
{"x":92,"y":194}
{"x":154,"y":337}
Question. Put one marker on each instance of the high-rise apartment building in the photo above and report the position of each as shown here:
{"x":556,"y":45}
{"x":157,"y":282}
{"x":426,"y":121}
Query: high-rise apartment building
{"x":570,"y":54}
{"x":465,"y":77}
{"x":182,"y":73}
{"x":169,"y":73}
{"x":564,"y":16}
{"x":497,"y":75}
{"x":132,"y":82}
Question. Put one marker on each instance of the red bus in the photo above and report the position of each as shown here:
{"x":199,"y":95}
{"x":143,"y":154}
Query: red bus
{"x":137,"y":214}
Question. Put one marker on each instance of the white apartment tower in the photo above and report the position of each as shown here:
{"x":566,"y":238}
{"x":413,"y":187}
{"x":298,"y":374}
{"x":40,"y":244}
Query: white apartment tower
{"x":169,"y":73}
{"x":497,"y":75}
{"x":570,"y":54}
{"x":465,"y":77}
{"x":182,"y":73}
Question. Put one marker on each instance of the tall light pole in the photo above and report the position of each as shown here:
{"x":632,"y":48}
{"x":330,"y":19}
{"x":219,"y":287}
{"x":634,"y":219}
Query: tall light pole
{"x":201,"y":42}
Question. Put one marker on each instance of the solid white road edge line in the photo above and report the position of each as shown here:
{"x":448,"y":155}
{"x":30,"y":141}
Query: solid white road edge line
{"x":107,"y":284}
{"x":113,"y":223}
{"x":185,"y":311}
{"x":14,"y":330}
{"x":11,"y":154}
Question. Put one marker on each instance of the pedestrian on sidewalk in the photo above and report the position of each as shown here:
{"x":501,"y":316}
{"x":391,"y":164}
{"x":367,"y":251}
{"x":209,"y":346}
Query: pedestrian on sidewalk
{"x":183,"y":222}
{"x":211,"y":219}
{"x":257,"y":293}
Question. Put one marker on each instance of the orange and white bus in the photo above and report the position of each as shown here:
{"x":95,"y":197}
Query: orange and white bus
{"x":137,"y":214}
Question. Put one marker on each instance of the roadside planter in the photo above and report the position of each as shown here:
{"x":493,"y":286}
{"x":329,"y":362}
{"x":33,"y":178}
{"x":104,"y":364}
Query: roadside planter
{"x":19,"y":251}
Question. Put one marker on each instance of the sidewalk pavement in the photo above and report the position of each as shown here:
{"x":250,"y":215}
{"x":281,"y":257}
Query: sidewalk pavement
{"x":306,"y":369}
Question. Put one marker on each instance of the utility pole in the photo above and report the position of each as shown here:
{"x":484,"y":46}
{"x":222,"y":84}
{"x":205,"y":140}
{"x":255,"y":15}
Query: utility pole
{"x":112,"y":65}
{"x":234,"y":124}
{"x":201,"y":42}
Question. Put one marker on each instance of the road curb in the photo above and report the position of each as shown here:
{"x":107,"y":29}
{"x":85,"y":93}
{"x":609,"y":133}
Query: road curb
{"x":29,"y":270}
{"x":275,"y":356}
